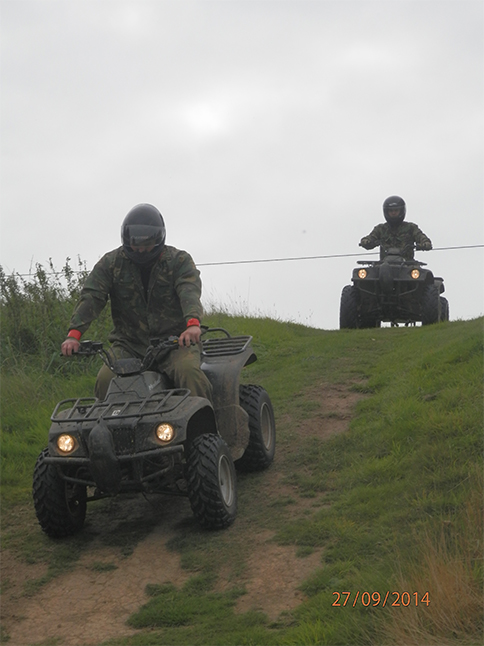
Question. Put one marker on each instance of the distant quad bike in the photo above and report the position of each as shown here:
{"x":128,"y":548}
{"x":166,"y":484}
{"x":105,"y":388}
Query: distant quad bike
{"x":394,"y":290}
{"x":148,"y":437}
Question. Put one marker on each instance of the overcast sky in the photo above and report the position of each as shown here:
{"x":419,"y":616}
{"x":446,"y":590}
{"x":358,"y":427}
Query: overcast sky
{"x":261,"y":129}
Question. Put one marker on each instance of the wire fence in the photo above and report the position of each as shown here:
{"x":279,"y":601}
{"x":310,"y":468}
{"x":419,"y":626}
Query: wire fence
{"x":267,"y":260}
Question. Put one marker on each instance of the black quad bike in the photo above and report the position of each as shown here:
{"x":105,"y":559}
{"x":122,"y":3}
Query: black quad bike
{"x":149,"y":437}
{"x":393,"y":290}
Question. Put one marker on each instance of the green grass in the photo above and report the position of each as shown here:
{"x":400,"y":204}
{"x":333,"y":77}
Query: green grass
{"x":395,"y":501}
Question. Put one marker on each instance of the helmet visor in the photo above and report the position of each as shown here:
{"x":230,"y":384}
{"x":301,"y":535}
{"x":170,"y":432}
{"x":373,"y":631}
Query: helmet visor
{"x":141,"y":235}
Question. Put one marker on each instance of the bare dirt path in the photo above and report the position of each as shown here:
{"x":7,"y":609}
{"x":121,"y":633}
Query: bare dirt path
{"x":91,"y":602}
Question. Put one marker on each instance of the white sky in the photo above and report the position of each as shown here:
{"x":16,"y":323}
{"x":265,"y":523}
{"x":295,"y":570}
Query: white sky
{"x":260,"y":128}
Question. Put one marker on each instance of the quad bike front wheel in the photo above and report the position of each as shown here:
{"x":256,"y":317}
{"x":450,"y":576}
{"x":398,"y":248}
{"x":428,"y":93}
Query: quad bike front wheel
{"x":431,"y":305}
{"x":259,"y":453}
{"x":348,"y":310}
{"x":60,"y":506}
{"x":211,"y":482}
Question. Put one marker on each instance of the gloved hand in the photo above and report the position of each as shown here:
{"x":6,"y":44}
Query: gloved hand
{"x":365,"y":242}
{"x":426,"y":246}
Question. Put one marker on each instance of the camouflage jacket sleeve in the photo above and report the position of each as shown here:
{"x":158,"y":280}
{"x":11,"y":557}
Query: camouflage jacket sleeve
{"x":373,"y":239}
{"x":188,"y":286}
{"x":420,"y":238}
{"x":94,"y":294}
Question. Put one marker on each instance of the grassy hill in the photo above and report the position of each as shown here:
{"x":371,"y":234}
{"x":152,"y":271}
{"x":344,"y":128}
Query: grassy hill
{"x":391,"y":505}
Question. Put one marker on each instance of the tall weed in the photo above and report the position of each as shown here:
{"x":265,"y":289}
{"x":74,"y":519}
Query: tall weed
{"x":35,"y":313}
{"x":450,"y":567}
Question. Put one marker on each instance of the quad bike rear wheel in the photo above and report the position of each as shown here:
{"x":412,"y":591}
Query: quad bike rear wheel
{"x":60,"y":506}
{"x":444,"y":306}
{"x":259,"y":453}
{"x":211,"y":482}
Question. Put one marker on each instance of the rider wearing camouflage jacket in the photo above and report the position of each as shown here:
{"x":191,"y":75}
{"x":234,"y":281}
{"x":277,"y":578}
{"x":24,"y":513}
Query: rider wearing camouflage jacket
{"x":395,"y":233}
{"x":171,"y":299}
{"x":154,"y":291}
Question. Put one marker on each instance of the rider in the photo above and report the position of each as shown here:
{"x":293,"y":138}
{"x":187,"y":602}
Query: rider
{"x":155,"y":292}
{"x":395,"y":233}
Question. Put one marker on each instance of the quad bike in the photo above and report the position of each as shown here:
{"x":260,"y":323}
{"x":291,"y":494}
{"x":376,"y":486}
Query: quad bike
{"x":149,"y":437}
{"x":394,"y":290}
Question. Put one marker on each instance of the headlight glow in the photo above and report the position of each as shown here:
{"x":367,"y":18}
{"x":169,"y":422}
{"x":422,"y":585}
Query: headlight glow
{"x":165,"y":432}
{"x":415,"y":273}
{"x":66,"y":443}
{"x":362,"y":273}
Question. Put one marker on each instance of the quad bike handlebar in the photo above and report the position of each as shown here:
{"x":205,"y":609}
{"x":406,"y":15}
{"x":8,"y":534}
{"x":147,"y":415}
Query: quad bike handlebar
{"x":155,"y":351}
{"x":394,"y":255}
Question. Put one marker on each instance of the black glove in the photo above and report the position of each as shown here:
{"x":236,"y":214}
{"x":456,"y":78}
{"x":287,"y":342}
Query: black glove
{"x":426,"y":246}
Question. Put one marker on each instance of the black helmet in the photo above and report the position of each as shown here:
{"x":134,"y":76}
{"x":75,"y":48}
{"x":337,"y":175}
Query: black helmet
{"x":394,"y":202}
{"x":143,"y":227}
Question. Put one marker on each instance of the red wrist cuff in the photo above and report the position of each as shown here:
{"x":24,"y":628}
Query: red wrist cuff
{"x":74,"y":334}
{"x":193,"y":322}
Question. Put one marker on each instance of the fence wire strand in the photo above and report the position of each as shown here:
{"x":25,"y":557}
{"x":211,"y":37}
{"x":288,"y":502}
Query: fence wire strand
{"x":266,"y":260}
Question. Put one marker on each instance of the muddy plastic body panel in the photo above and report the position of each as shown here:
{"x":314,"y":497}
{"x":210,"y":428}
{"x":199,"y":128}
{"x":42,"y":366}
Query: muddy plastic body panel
{"x":222,"y":362}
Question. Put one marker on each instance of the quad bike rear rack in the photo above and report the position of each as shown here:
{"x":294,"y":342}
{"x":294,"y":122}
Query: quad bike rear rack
{"x":225,"y":347}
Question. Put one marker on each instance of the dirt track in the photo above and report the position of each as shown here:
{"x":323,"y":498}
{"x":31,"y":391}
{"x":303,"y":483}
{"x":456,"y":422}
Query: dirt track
{"x":92,"y":602}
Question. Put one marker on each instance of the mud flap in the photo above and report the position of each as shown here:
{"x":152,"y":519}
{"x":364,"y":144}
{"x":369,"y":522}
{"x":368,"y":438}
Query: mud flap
{"x":104,"y":465}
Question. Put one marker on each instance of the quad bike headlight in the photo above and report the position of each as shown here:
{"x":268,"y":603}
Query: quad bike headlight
{"x":362,"y":273}
{"x":165,"y":432}
{"x":415,"y":273}
{"x":66,"y":443}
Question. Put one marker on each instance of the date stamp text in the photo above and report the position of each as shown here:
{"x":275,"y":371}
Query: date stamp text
{"x":373,"y":599}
